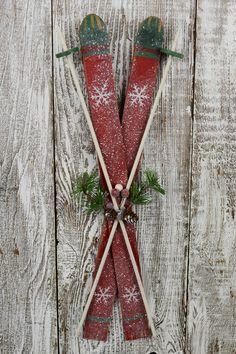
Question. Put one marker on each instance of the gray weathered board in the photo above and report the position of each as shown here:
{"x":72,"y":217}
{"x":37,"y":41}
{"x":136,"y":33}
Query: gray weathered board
{"x":187,"y":239}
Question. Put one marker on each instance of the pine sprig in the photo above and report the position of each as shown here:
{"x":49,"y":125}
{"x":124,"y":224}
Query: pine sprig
{"x":85,"y":183}
{"x":96,"y":202}
{"x":139,"y":191}
{"x":152,"y":181}
{"x":138,"y":194}
{"x":88,"y":187}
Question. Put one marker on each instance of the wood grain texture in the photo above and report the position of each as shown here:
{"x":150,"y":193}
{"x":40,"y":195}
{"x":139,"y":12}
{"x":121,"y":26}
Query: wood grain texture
{"x":163,"y":226}
{"x":212,"y":276}
{"x":27,"y":244}
{"x":200,"y":189}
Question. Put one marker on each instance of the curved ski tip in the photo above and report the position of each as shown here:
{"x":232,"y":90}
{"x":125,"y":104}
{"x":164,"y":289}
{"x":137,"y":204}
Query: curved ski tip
{"x":93,"y":30}
{"x":152,"y":23}
{"x":150,"y":34}
{"x":92,"y":22}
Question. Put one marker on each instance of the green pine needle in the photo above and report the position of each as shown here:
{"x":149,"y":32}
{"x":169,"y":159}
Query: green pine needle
{"x":138,"y":194}
{"x":88,"y":186}
{"x":86,"y":183}
{"x":95,"y":202}
{"x":152,"y":181}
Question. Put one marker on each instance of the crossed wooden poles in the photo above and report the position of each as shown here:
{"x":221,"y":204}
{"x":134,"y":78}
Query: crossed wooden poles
{"x":109,"y":185}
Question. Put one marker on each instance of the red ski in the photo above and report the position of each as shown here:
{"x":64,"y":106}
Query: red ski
{"x":119,"y":146}
{"x":141,"y":86}
{"x":118,"y":271}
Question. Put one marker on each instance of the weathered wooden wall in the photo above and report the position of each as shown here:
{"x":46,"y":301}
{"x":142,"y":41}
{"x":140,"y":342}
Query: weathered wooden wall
{"x":186,"y":239}
{"x":28,"y":321}
{"x":212,"y":250}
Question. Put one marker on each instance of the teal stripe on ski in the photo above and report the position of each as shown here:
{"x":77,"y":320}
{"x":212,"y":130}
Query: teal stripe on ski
{"x":136,"y":317}
{"x":100,"y":319}
{"x":96,"y":52}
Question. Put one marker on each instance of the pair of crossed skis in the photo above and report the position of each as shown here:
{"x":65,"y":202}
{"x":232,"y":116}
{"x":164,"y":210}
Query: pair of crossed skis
{"x":117,"y":207}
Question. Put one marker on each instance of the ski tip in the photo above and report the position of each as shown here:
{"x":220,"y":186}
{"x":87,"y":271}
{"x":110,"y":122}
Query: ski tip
{"x":93,"y":31}
{"x":150,"y":34}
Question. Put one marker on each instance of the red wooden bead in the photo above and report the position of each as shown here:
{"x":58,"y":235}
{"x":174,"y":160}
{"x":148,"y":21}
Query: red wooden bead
{"x":125,"y":193}
{"x":115,"y":193}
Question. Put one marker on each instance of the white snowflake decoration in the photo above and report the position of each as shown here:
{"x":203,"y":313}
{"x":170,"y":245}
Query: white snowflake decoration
{"x":131,"y":295}
{"x":138,"y":95}
{"x":101,"y":95}
{"x":102,"y":296}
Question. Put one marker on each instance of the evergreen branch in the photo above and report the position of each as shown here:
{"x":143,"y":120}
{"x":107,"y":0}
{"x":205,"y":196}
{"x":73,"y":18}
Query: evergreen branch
{"x":88,"y":186}
{"x":152,"y":181}
{"x":138,"y":194}
{"x":94,"y":197}
{"x":85,"y":183}
{"x":95,"y":202}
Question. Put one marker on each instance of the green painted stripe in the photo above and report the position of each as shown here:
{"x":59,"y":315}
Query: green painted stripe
{"x":153,"y":23}
{"x":147,"y":55}
{"x":136,"y":317}
{"x":100,"y":319}
{"x":84,"y":23}
{"x":89,"y":21}
{"x":96,"y":52}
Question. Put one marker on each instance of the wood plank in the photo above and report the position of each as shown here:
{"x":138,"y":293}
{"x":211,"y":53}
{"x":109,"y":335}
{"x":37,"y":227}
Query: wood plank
{"x":212,"y":276}
{"x":165,"y":222}
{"x":27,"y":244}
